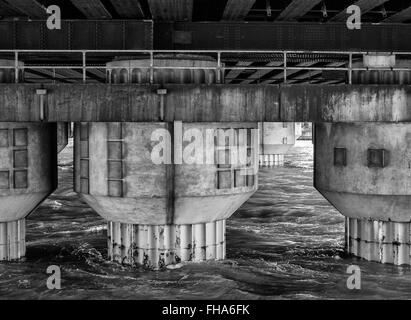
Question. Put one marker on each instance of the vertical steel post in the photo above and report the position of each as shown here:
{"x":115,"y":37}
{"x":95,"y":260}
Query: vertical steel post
{"x":218,"y":67}
{"x":84,"y":67}
{"x":285,"y":67}
{"x":151,"y":67}
{"x":16,"y":67}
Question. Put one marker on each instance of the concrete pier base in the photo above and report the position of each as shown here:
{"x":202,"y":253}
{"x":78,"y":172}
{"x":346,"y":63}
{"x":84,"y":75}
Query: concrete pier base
{"x":271,"y":160}
{"x":155,"y":246}
{"x":165,"y":203}
{"x":380,"y":241}
{"x":28,"y":175}
{"x":363,"y":170}
{"x":12,"y":240}
{"x":28,"y":172}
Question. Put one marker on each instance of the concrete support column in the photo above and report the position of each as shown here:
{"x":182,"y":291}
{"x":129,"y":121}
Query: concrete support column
{"x":165,"y":212}
{"x":28,"y":173}
{"x":276,"y":138}
{"x":363,"y":169}
{"x":63,"y":133}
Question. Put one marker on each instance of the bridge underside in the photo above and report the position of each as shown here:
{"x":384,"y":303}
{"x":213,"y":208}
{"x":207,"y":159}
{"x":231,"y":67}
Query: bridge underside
{"x":229,"y":74}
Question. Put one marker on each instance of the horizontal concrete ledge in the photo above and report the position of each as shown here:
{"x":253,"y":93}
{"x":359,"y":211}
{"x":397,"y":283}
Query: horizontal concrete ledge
{"x":206,"y":103}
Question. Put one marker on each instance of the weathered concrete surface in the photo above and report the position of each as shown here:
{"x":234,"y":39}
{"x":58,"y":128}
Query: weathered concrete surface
{"x":28,"y":171}
{"x":208,"y":103}
{"x":28,"y":162}
{"x":28,"y":175}
{"x":140,"y":196}
{"x":276,"y":138}
{"x":380,"y":241}
{"x":359,"y":191}
{"x":62,"y":135}
{"x":346,"y":103}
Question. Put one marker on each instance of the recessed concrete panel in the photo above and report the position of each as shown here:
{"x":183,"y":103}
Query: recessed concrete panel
{"x":4,"y":179}
{"x":20,"y":137}
{"x":20,"y":159}
{"x":340,"y":157}
{"x":20,"y":179}
{"x":115,"y":170}
{"x":224,"y":179}
{"x":4,"y":138}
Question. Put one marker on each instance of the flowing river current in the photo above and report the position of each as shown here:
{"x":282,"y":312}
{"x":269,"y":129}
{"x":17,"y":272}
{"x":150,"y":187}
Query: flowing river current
{"x":286,"y":242}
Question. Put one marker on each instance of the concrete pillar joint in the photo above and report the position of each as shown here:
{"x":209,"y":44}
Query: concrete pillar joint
{"x":380,"y":241}
{"x":155,"y":246}
{"x":12,"y":240}
{"x":271,"y":160}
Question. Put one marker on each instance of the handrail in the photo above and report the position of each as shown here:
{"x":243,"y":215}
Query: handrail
{"x":284,"y":65}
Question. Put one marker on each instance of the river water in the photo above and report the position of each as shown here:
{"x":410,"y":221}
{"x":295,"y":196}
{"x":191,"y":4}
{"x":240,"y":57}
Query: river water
{"x":286,"y":242}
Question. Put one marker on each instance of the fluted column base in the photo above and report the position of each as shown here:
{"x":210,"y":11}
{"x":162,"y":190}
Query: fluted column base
{"x":12,"y":240}
{"x":380,"y":241}
{"x":156,"y":246}
{"x":271,"y":160}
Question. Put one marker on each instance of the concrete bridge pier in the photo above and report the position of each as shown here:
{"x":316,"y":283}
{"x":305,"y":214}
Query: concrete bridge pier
{"x":166,"y":189}
{"x":363,"y":169}
{"x":28,"y":174}
{"x":63,"y":135}
{"x":276,"y":138}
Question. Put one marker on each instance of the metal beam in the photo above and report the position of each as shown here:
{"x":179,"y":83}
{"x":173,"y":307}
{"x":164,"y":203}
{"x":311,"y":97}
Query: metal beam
{"x":296,"y":9}
{"x":77,"y":35}
{"x":365,"y":6}
{"x":252,"y":36}
{"x":262,"y":72}
{"x":130,"y":9}
{"x":401,"y":16}
{"x":98,"y":73}
{"x":237,"y":9}
{"x":331,"y":82}
{"x":237,"y":35}
{"x":92,"y":9}
{"x":6,"y":10}
{"x":30,"y":8}
{"x":312,"y":73}
{"x":280,"y":75}
{"x":234,"y":73}
{"x":171,"y":10}
{"x":48,"y":74}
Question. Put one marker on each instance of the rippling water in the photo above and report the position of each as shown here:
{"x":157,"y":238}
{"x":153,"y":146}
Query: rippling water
{"x":286,"y":242}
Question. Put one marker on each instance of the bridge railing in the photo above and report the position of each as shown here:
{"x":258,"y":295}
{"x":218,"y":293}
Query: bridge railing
{"x":231,"y":66}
